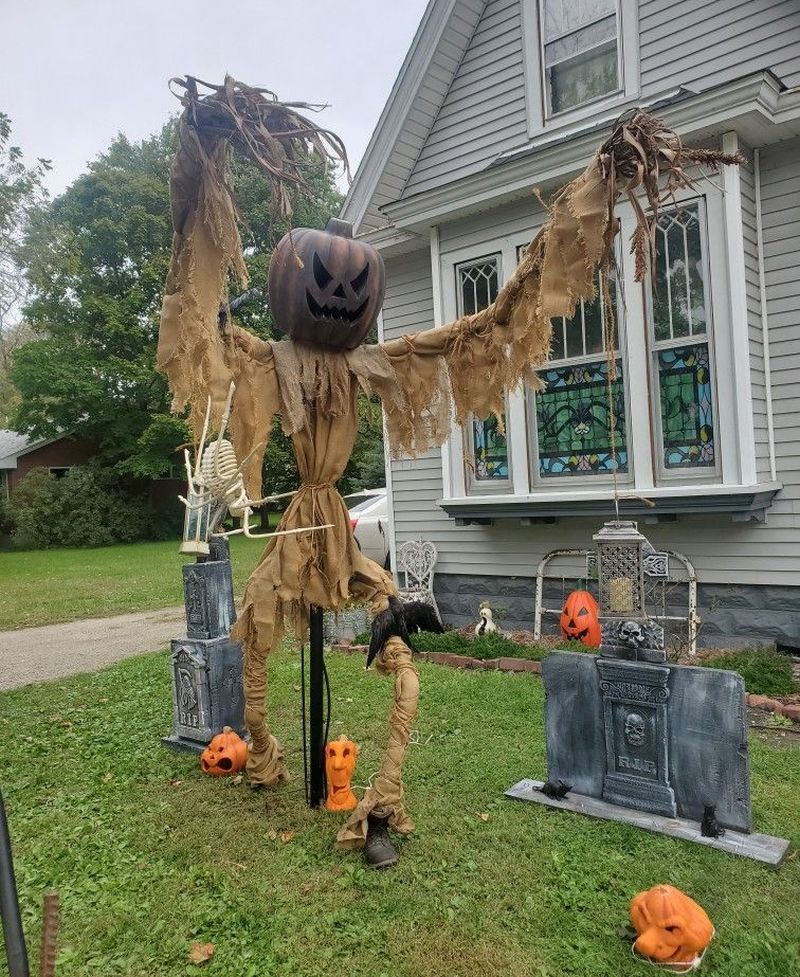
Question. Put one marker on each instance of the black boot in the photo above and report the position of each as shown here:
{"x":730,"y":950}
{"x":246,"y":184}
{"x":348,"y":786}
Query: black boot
{"x":379,"y":852}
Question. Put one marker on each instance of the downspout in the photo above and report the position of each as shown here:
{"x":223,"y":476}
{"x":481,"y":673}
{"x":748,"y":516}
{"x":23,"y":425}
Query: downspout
{"x":762,"y":285}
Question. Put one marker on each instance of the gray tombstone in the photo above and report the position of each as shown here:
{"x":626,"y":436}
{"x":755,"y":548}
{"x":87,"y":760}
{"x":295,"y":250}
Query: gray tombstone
{"x":207,"y":691}
{"x":664,"y":739}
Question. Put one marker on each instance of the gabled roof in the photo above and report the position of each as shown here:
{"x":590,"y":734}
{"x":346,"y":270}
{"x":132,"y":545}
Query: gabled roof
{"x":439,"y":44}
{"x":12,"y":445}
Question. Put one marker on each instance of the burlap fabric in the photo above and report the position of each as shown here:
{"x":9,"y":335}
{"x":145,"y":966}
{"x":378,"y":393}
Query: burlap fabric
{"x":386,"y":793}
{"x":425,"y":380}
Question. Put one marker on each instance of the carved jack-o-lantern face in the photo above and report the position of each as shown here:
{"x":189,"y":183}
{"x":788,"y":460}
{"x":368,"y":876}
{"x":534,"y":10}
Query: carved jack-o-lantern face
{"x":673,"y":929}
{"x":335,"y":297}
{"x":340,"y":764}
{"x":579,"y":620}
{"x":225,"y":754}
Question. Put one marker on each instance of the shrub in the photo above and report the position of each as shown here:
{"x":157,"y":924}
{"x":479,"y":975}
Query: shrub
{"x":483,"y":647}
{"x":764,"y":670}
{"x":84,"y":508}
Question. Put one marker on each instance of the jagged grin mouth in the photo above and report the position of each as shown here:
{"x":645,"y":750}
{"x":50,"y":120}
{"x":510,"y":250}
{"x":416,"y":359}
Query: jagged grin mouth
{"x":333,"y":312}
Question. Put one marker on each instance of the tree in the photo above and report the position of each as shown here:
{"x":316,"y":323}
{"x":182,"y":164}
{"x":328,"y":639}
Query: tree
{"x":96,"y":258}
{"x":21,"y":192}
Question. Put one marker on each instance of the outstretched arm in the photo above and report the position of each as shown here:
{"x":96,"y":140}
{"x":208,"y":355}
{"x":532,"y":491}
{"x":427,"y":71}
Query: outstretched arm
{"x":206,"y":247}
{"x":467,"y":366}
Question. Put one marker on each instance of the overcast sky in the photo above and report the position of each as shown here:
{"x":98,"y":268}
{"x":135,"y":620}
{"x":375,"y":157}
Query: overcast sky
{"x":74,"y":73}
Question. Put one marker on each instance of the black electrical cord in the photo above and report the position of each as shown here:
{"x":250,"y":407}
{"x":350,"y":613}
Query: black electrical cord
{"x":303,"y":717}
{"x":328,"y":709}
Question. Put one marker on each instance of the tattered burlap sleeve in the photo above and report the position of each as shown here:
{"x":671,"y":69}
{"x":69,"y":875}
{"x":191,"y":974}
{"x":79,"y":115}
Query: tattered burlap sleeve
{"x":467,"y":366}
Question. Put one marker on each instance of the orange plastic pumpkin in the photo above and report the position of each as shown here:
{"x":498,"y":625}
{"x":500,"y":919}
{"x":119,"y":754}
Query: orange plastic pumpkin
{"x":340,"y":765}
{"x":579,"y":618}
{"x":673,"y":930}
{"x":225,"y":754}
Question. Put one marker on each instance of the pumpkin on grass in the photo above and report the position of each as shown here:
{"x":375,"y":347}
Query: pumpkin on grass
{"x":225,"y":754}
{"x":673,"y":930}
{"x":579,"y":619}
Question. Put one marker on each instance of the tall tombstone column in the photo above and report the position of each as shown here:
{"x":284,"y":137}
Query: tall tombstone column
{"x":206,"y":666}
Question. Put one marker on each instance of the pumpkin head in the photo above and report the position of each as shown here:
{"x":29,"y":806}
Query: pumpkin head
{"x":672,"y":928}
{"x":225,"y":754}
{"x":340,"y":764}
{"x":579,"y":620}
{"x":334,"y":298}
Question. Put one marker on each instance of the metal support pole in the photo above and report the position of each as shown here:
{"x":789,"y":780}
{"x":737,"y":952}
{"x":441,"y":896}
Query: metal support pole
{"x":316,"y":790}
{"x":16,"y":953}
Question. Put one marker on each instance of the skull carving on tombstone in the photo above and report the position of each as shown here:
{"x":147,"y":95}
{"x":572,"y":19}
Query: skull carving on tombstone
{"x":326,"y":288}
{"x":631,"y":634}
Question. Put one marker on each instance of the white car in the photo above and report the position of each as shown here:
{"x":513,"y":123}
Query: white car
{"x":369,"y":517}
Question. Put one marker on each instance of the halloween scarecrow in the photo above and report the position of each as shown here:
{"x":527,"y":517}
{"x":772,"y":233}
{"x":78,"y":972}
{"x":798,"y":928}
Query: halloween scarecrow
{"x":326,"y":289}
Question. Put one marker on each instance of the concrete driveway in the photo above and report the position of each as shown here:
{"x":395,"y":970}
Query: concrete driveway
{"x":58,"y":650}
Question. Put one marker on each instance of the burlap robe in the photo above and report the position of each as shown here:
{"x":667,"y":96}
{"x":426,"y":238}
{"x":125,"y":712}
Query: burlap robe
{"x":325,"y":568}
{"x":386,"y":793}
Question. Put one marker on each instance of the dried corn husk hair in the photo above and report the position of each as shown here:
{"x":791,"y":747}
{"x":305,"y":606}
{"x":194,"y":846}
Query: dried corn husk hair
{"x":272,"y":134}
{"x":206,"y":246}
{"x":644,"y":156}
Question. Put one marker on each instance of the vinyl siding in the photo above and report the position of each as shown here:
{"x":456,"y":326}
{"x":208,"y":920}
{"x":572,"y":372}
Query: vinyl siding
{"x":682,"y":42}
{"x":703,"y":44}
{"x":723,"y":551}
{"x":433,"y":90}
{"x":484,"y":111}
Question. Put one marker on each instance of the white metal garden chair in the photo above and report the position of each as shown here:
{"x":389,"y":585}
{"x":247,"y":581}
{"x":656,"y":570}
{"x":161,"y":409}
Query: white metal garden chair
{"x":416,"y":561}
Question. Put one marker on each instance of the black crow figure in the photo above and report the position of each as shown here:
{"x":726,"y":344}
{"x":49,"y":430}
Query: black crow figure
{"x":401,"y":620}
{"x":556,"y":790}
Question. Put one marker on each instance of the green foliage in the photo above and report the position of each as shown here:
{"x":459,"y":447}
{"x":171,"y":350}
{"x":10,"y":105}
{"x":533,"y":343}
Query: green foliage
{"x":83,"y":508}
{"x":97,"y":257}
{"x":765,"y":671}
{"x":483,"y":647}
{"x":21,"y":192}
{"x":149,"y":856}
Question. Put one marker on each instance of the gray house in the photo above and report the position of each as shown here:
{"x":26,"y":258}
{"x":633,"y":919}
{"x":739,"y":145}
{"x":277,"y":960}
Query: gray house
{"x":496,"y":97}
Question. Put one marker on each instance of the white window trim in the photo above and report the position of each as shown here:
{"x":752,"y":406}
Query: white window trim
{"x":729,"y":339}
{"x":532,"y":58}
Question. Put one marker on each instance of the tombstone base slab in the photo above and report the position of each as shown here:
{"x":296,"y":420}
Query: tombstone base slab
{"x":761,"y":848}
{"x":181,"y":745}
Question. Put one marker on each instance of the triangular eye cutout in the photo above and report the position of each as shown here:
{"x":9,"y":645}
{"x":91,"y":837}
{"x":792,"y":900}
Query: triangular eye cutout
{"x":360,"y":280}
{"x":321,"y":274}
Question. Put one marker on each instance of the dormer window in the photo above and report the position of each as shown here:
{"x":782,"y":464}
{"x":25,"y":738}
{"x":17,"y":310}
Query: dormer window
{"x":581,"y":59}
{"x":580,"y":52}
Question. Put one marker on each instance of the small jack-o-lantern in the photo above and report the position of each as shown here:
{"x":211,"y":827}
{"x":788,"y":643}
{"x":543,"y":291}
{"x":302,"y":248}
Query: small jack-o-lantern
{"x":340,"y":764}
{"x":673,"y":930}
{"x":225,"y":754}
{"x":579,"y":618}
{"x":334,"y":298}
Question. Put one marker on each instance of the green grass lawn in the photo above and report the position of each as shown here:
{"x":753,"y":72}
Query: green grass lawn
{"x":46,"y":586}
{"x":148,"y":856}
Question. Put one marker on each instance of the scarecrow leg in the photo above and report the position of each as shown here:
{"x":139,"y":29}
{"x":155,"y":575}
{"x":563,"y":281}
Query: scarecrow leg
{"x":386,"y":795}
{"x":265,"y":765}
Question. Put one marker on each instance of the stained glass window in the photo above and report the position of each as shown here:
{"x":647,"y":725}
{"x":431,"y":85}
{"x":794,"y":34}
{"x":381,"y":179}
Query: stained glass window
{"x":580,"y":51}
{"x":574,"y":425}
{"x":478,"y":285}
{"x":682,"y":355}
{"x":687,"y":419}
{"x":573,"y":421}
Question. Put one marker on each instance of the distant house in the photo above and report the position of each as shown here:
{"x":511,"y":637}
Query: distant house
{"x":499,"y":96}
{"x":19,"y":454}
